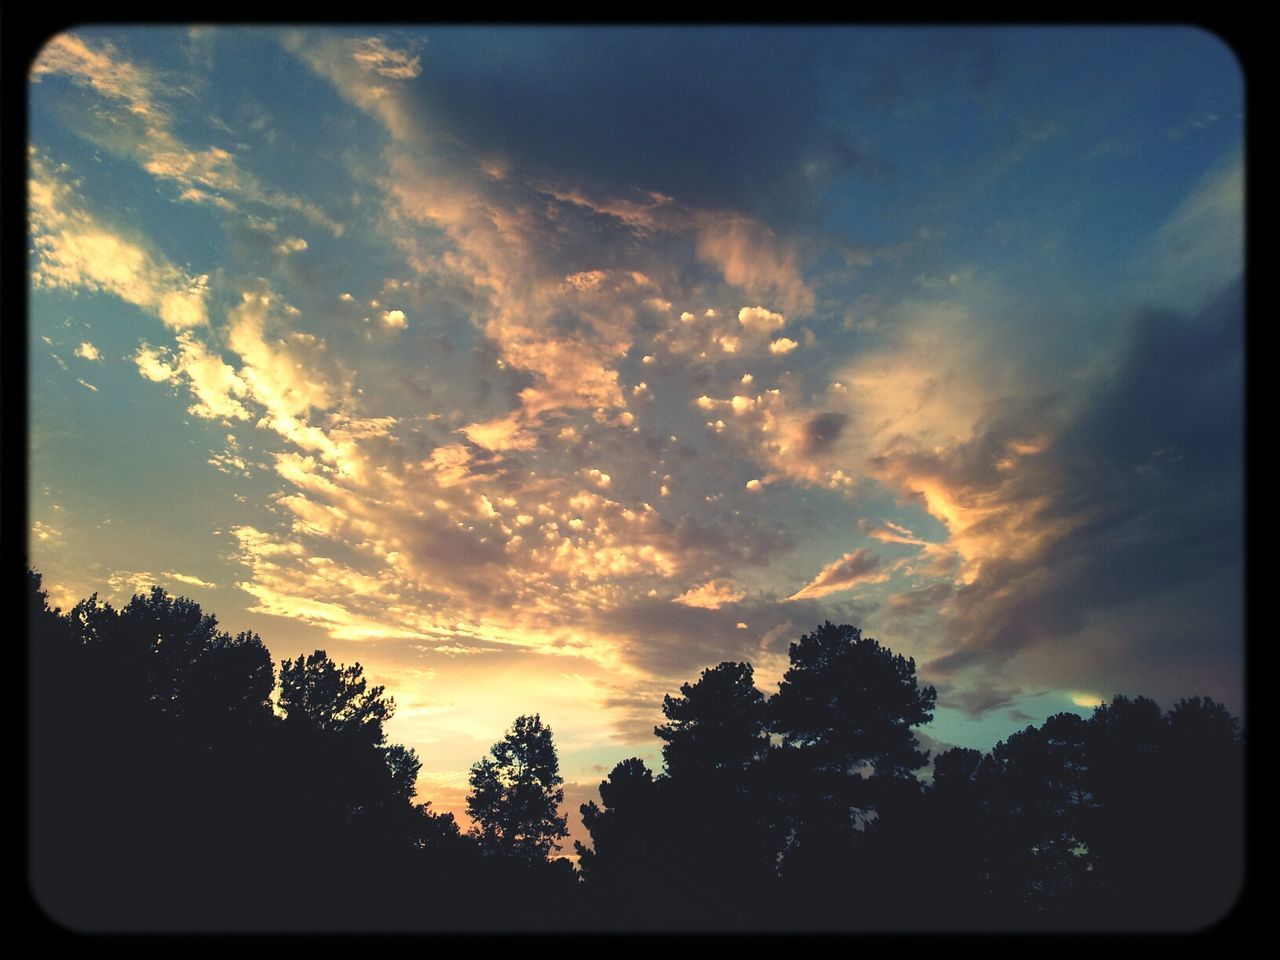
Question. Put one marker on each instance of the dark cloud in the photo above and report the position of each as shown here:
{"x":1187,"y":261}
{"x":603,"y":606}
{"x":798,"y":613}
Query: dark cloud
{"x":703,"y":115}
{"x":1145,"y":482}
{"x":453,"y":557}
{"x":673,"y":640}
{"x":822,"y":430}
{"x":732,"y":537}
{"x":924,"y":600}
{"x":976,"y":701}
{"x":634,"y":714}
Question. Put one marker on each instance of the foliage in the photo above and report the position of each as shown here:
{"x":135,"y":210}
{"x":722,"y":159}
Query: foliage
{"x":848,"y":701}
{"x":716,"y":726}
{"x":165,"y":790}
{"x":318,"y":692}
{"x":516,"y":793}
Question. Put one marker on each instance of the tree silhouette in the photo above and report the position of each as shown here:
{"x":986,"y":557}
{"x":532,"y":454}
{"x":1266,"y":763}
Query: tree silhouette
{"x":318,"y":692}
{"x":516,"y":793}
{"x":716,"y":727}
{"x":1038,"y":798}
{"x":844,"y":708}
{"x":847,"y":701}
{"x":626,"y":827}
{"x":1128,"y":820}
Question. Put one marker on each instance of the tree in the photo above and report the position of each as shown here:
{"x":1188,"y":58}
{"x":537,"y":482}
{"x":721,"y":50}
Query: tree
{"x":328,"y":697}
{"x":625,"y":827}
{"x":232,"y":679}
{"x":846,"y":705}
{"x":170,"y":634}
{"x":516,"y":793}
{"x":717,"y":725}
{"x":847,"y":701}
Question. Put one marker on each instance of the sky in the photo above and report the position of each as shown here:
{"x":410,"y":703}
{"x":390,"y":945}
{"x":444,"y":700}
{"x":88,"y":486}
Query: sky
{"x":539,"y":369}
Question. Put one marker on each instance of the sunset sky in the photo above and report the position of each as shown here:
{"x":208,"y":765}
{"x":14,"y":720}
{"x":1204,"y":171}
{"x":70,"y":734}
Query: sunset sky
{"x":539,"y":369}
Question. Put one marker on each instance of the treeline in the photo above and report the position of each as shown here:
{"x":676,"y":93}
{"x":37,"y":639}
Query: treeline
{"x":177,"y":782}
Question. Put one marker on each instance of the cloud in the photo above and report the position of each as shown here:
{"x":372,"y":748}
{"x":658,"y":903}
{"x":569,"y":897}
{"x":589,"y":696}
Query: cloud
{"x":505,"y":433}
{"x":852,"y":569}
{"x":365,"y":71}
{"x":890,"y":532}
{"x":751,"y":258}
{"x":758,"y":318}
{"x":924,"y":600}
{"x":88,"y":351}
{"x":1200,"y":248}
{"x":373,"y":54}
{"x":291,"y":245}
{"x":783,"y":345}
{"x":711,"y":595}
{"x":102,"y":69}
{"x":394,"y":319}
{"x":980,"y":698}
{"x":43,"y":531}
{"x":821,"y":431}
{"x":684,"y":133}
{"x":216,"y":385}
{"x":189,"y":579}
{"x":1068,"y":555}
{"x":145,"y":131}
{"x":75,"y":250}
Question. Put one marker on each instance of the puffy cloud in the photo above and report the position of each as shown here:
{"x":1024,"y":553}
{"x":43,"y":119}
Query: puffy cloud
{"x":852,"y":569}
{"x":783,"y":345}
{"x":153,"y":363}
{"x":504,"y":433}
{"x":758,"y":318}
{"x":88,"y":351}
{"x":42,"y":532}
{"x":394,"y":319}
{"x":291,"y":245}
{"x":217,"y":386}
{"x":711,"y":595}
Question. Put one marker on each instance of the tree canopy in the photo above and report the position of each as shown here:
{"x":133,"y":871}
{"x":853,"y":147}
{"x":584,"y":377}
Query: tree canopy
{"x":716,"y":725}
{"x":319,"y":692}
{"x":211,"y":810}
{"x":848,"y":701}
{"x":516,"y":792}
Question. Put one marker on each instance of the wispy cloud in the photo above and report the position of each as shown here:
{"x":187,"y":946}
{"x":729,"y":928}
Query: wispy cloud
{"x":75,"y":250}
{"x":851,"y":570}
{"x":145,"y":131}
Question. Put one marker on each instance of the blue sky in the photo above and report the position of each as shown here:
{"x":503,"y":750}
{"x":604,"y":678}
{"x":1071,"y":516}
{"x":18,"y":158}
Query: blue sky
{"x":538,"y":369}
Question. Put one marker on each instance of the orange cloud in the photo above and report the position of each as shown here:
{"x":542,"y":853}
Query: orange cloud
{"x":752,"y":258}
{"x":711,"y":595}
{"x":861,"y":566}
